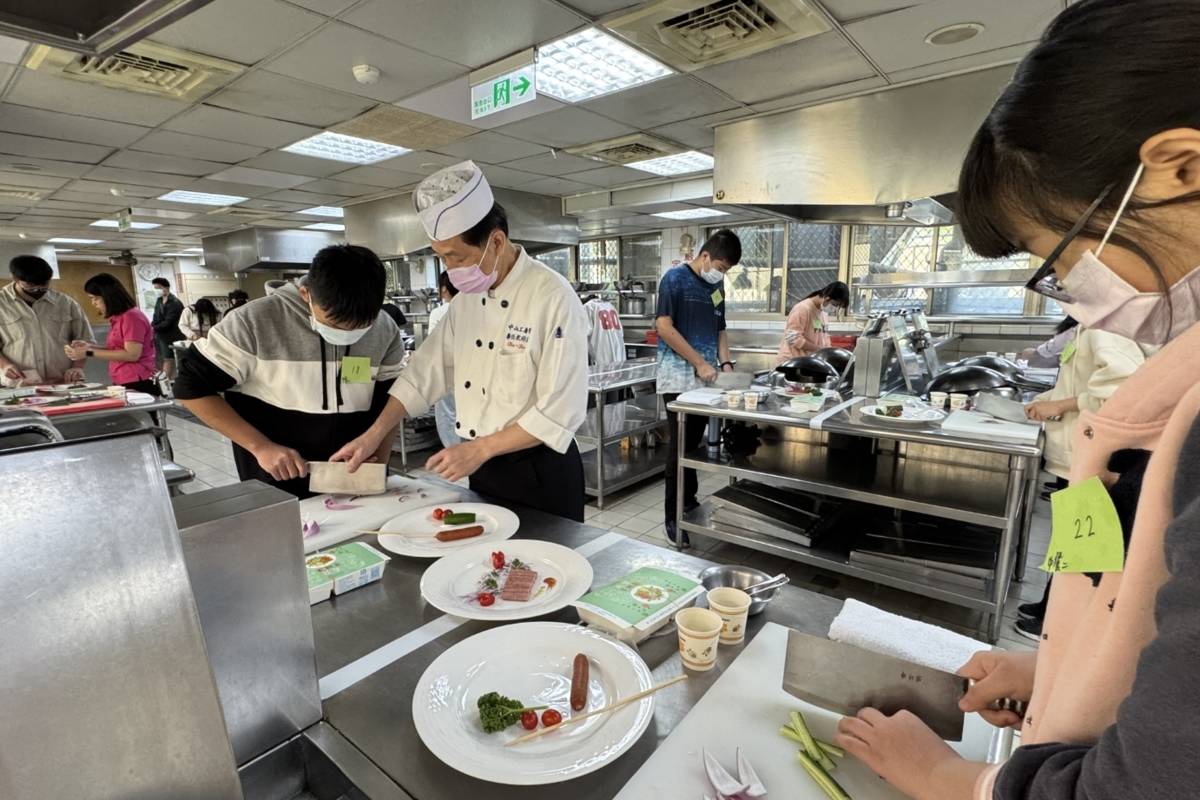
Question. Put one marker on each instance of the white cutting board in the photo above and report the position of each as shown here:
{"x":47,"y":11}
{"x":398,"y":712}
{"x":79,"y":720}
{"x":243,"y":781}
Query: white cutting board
{"x":975,"y":425}
{"x":370,"y":512}
{"x":745,"y":708}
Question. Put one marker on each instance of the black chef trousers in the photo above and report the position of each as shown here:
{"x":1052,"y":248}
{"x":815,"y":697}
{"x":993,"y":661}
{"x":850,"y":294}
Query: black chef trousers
{"x":537,"y":477}
{"x":694,"y":427}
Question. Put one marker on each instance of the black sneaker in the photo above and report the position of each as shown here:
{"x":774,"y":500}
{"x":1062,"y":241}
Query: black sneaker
{"x":1029,"y":628}
{"x":1032,"y":610}
{"x":671,"y":534}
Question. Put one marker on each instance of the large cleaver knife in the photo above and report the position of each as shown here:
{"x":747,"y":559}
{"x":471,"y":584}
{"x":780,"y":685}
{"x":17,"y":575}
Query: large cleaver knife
{"x":843,"y":678}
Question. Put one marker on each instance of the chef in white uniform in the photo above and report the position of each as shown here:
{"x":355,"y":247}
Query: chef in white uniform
{"x":512,"y":348}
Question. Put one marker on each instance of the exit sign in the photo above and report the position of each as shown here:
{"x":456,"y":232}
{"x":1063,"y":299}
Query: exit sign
{"x":502,"y":92}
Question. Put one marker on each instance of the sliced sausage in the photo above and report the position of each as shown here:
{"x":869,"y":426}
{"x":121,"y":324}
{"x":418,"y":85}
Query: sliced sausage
{"x":579,"y":683}
{"x":459,"y":533}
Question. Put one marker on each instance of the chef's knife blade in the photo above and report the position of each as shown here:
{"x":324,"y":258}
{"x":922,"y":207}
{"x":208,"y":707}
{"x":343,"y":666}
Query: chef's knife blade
{"x":843,"y":678}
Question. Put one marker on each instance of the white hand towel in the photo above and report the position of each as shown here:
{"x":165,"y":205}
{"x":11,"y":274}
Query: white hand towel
{"x":874,"y":629}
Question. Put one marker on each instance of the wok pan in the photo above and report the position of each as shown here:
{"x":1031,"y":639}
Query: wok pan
{"x":969,"y":379}
{"x":807,"y":369}
{"x":1015,"y":374}
{"x":839,"y":358}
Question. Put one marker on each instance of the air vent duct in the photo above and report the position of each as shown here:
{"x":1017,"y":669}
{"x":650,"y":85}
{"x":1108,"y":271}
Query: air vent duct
{"x":627,"y":149}
{"x":689,"y":34}
{"x":145,"y":67}
{"x":91,"y":27}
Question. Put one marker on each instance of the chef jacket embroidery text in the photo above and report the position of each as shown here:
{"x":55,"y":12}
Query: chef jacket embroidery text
{"x":516,"y":337}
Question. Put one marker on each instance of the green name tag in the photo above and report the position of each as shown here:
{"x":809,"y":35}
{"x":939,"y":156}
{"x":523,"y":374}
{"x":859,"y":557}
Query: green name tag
{"x":1068,"y":353}
{"x":717,"y":297}
{"x":818,"y":325}
{"x":1085,"y":532}
{"x":356,"y":369}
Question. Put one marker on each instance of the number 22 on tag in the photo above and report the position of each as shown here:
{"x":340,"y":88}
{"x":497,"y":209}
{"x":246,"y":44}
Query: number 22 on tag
{"x":1085,"y":531}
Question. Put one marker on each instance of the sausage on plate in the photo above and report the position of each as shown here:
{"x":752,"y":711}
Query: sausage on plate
{"x":459,"y":533}
{"x":579,"y":683}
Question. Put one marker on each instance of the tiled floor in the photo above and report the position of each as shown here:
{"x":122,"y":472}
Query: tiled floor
{"x":637,"y":512}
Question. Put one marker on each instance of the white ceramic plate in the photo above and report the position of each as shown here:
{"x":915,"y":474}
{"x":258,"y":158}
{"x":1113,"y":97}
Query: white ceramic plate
{"x":912,"y":416}
{"x":415,"y":530}
{"x":531,"y":662}
{"x":451,"y":584}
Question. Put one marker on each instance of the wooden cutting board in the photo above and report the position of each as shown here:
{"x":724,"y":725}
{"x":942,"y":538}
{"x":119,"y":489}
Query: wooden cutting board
{"x":83,"y":405}
{"x":745,"y":708}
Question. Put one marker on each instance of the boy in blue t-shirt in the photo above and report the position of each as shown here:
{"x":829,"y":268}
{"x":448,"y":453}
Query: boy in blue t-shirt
{"x":692,"y":347}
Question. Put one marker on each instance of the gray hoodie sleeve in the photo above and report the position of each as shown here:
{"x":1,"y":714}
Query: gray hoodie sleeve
{"x":1151,"y":751}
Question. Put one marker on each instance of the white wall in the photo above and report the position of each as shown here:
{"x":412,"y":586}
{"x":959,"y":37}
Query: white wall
{"x":8,"y":250}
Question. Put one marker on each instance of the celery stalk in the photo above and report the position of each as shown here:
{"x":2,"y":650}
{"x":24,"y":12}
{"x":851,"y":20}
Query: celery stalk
{"x":831,"y":749}
{"x":821,"y":778}
{"x":810,"y":744}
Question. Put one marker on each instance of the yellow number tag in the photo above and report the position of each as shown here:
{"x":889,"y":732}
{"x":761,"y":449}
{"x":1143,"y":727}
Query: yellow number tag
{"x":1085,"y":532}
{"x":356,"y":369}
{"x":717,"y":297}
{"x":1068,"y":353}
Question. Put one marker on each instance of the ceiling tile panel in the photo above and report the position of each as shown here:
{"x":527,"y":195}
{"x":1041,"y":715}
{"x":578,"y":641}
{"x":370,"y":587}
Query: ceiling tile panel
{"x":698,"y":132}
{"x":43,"y":90}
{"x":376,"y":176}
{"x":184,"y":144}
{"x":153,"y":162}
{"x":897,"y":41}
{"x":227,"y":187}
{"x":552,"y":165}
{"x":819,"y":61}
{"x":31,"y":180}
{"x":556,"y":186}
{"x":466,"y":31}
{"x":328,"y":57}
{"x":491,"y":148}
{"x":11,"y":50}
{"x":847,"y":10}
{"x":671,"y":99}
{"x":271,"y":205}
{"x":598,"y":8}
{"x":565,"y":128}
{"x":344,"y":188}
{"x":234,"y":126}
{"x":259,"y":177}
{"x":245,"y":31}
{"x":17,"y":144}
{"x":419,"y":162}
{"x":139,"y":177}
{"x":818,"y":96}
{"x":43,"y":166}
{"x":509,"y":178}
{"x":271,"y":95}
{"x":296,"y":164}
{"x":39,"y":122}
{"x":1004,"y":55}
{"x":309,"y":199}
{"x":611,"y":176}
{"x":330,"y":8}
{"x":102,"y":188}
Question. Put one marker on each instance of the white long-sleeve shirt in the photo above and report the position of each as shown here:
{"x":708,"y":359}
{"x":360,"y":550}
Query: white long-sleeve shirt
{"x":517,"y":353}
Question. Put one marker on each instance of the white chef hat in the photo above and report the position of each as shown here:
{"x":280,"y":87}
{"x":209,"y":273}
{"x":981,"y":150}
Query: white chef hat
{"x":453,"y":200}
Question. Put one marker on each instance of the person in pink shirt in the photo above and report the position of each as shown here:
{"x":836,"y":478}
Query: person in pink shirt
{"x":806,"y":330}
{"x":129,"y":349}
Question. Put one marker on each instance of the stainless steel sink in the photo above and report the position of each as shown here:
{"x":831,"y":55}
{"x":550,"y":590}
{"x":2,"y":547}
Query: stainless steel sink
{"x":318,"y":764}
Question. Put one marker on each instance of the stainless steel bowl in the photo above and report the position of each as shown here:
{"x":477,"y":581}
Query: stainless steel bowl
{"x":738,"y":578}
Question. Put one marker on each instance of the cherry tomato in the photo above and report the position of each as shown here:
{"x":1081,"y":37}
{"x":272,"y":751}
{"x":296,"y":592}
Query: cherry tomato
{"x":528,"y":720}
{"x":551,"y":717}
{"x":438,"y":514}
{"x":486,"y":598}
{"x":498,"y":560}
{"x":447,"y":512}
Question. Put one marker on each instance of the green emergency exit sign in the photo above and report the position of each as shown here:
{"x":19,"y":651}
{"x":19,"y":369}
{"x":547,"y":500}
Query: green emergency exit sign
{"x":502,"y":92}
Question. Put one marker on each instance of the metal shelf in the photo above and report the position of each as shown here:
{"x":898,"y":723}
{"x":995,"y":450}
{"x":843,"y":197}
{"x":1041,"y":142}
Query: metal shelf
{"x":629,"y":418}
{"x":950,"y":491}
{"x":835,"y":559}
{"x":622,"y":467}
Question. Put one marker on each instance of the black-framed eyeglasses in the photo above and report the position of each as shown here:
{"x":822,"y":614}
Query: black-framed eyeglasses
{"x":1045,"y":281}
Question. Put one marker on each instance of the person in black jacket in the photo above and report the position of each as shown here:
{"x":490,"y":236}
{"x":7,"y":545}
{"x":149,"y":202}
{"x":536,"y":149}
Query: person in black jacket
{"x":167,"y":310}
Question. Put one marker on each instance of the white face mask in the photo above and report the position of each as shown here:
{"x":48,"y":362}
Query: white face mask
{"x":336,"y":336}
{"x":1102,"y":299}
{"x":713,"y":276}
{"x":830,"y":309}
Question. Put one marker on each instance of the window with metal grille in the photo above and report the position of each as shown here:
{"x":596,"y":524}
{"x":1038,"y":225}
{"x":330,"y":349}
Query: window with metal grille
{"x":813,"y":256}
{"x":954,"y":254}
{"x":641,"y":258}
{"x":600,"y":261}
{"x":756,"y":284}
{"x":887,"y":249}
{"x":558,"y":260}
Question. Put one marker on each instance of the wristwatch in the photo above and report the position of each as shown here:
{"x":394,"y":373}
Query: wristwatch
{"x":730,"y":363}
{"x":89,"y":353}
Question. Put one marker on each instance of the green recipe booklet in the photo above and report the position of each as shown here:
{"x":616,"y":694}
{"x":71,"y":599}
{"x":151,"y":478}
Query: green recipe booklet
{"x":635,"y":606}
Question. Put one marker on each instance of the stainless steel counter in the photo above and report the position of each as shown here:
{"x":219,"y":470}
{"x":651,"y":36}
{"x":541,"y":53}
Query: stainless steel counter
{"x":375,"y":713}
{"x":842,"y":454}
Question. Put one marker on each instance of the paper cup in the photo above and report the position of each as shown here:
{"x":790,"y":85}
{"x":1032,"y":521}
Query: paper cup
{"x":958,"y":401}
{"x":733,"y":606}
{"x":733,"y":399}
{"x":751,"y":399}
{"x":938,"y":400}
{"x":1011,"y":356}
{"x":699,"y":630}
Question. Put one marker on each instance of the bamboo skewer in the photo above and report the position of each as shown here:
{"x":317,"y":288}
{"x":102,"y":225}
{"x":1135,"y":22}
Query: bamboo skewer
{"x":610,"y":707}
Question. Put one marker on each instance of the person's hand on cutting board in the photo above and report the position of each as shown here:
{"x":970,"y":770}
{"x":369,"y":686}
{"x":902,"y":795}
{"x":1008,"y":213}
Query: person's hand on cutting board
{"x":13,"y":372}
{"x":458,"y":461}
{"x":73,"y":375}
{"x":903,"y":751}
{"x":998,"y":675}
{"x":1042,"y":410}
{"x":281,"y":463}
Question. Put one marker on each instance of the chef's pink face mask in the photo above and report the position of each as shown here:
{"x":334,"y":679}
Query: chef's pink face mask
{"x":472,"y":279}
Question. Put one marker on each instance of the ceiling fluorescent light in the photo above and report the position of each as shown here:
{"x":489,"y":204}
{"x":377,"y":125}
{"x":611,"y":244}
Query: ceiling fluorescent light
{"x":692,"y":213}
{"x":678,"y":164}
{"x":137,"y":226}
{"x":177,"y":255}
{"x":591,"y":63}
{"x":325,"y":226}
{"x":70,"y":240}
{"x":351,"y":149}
{"x":64,"y":250}
{"x":202,"y":198}
{"x":193,"y":249}
{"x":324,"y":211}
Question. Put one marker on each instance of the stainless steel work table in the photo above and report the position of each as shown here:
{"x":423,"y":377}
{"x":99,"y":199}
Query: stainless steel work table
{"x":912,"y":468}
{"x":376,"y":712}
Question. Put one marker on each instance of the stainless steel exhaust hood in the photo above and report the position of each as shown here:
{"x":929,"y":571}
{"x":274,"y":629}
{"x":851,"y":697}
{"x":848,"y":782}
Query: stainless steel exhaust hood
{"x":849,"y":160}
{"x":390,"y":226}
{"x":264,"y":249}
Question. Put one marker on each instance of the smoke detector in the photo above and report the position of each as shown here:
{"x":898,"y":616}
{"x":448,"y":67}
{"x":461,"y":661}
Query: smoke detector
{"x":957,"y":33}
{"x":366,"y":74}
{"x":690,"y":34}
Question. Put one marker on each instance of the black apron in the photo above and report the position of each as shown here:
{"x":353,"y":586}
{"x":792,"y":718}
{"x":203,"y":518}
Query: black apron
{"x":537,"y":477}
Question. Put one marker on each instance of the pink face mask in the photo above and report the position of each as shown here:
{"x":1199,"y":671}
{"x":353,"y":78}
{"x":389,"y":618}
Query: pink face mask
{"x":473,"y":280}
